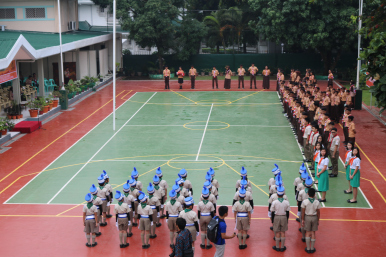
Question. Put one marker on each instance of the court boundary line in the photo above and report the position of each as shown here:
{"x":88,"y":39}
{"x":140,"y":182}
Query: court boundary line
{"x":67,"y":148}
{"x":203,"y":135}
{"x":99,"y":150}
{"x":262,"y":126}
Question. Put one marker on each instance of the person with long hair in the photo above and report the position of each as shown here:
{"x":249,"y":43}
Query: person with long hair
{"x":347,"y":166}
{"x":316,"y":158}
{"x":355,"y":173}
{"x":322,"y":174}
{"x":266,"y":72}
{"x":227,"y":82}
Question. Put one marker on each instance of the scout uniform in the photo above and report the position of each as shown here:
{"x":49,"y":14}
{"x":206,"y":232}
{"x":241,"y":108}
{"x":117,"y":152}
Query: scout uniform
{"x":253,"y":70}
{"x":212,"y":188}
{"x":334,"y":159}
{"x":109,"y":194}
{"x":306,"y":136}
{"x":164,"y":185}
{"x":298,"y":180}
{"x":241,"y":73}
{"x":191,"y":219}
{"x":243,"y":173}
{"x":102,"y":194}
{"x":205,"y":213}
{"x":145,"y":216}
{"x":90,"y":222}
{"x":159,"y":192}
{"x":272,"y":181}
{"x":192,"y":74}
{"x":310,"y":207}
{"x":154,"y":203}
{"x":212,"y":198}
{"x":303,"y":194}
{"x":180,"y":75}
{"x":129,"y":200}
{"x":97,"y":202}
{"x":122,"y":214}
{"x":135,"y":175}
{"x":180,"y":198}
{"x":313,"y":141}
{"x":351,"y":132}
{"x":187,"y":184}
{"x":172,"y":208}
{"x":248,"y":194}
{"x":214,"y":181}
{"x":180,"y":182}
{"x":214,"y":77}
{"x":280,"y":209}
{"x":135,"y":193}
{"x":166,"y":74}
{"x":241,"y":210}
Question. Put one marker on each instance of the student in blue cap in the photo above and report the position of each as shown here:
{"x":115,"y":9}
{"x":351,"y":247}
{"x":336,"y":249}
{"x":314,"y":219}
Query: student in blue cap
{"x":272,"y":181}
{"x":311,"y":213}
{"x":242,"y":213}
{"x":102,"y":194}
{"x":274,"y":197}
{"x":187,"y":184}
{"x":299,"y":188}
{"x":159,"y":192}
{"x":248,"y":194}
{"x":213,"y":189}
{"x":214,"y":181}
{"x":191,"y":219}
{"x":180,"y":181}
{"x":280,"y":211}
{"x":205,"y":211}
{"x":129,"y":200}
{"x":212,"y":198}
{"x":299,"y":180}
{"x":97,"y":202}
{"x":122,"y":218}
{"x":172,"y":208}
{"x":155,"y":204}
{"x":243,"y":173}
{"x":145,"y":216}
{"x":109,"y":194}
{"x":135,"y":193}
{"x":303,"y":195}
{"x":135,"y":175}
{"x":163,"y":184}
{"x":90,"y":220}
{"x":180,"y":198}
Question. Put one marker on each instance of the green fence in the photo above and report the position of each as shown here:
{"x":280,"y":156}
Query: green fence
{"x":302,"y":61}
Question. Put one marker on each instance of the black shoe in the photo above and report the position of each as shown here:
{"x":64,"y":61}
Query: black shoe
{"x":172,"y":246}
{"x":103,"y":224}
{"x":126,"y":245}
{"x":333,"y":175}
{"x":347,"y":192}
{"x":158,"y":225}
{"x":238,"y":87}
{"x":88,"y":245}
{"x":312,"y":168}
{"x":209,"y":246}
{"x":94,"y":244}
{"x":276,"y":249}
{"x":349,"y":201}
{"x":274,"y":238}
{"x":245,"y":246}
{"x":250,"y":88}
{"x":98,"y":234}
{"x":241,"y":247}
{"x":297,"y":219}
{"x":202,"y":246}
{"x":271,"y":228}
{"x":322,"y":201}
{"x":247,"y":236}
{"x":143,"y":246}
{"x":283,"y":249}
{"x":300,"y":230}
{"x":307,"y":251}
{"x":303,"y":240}
{"x":148,"y":246}
{"x":121,"y":246}
{"x":313,"y":174}
{"x":330,"y":168}
{"x":135,"y":224}
{"x":109,"y":216}
{"x":163,"y":216}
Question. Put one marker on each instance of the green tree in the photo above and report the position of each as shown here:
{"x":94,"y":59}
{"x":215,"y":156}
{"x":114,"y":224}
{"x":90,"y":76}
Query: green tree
{"x":218,"y":22}
{"x":321,"y":25}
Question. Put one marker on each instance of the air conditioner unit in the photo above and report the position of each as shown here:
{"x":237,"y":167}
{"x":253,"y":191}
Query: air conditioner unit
{"x":71,"y":25}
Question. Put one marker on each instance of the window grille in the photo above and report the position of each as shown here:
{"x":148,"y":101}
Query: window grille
{"x":7,"y":13}
{"x":35,"y":13}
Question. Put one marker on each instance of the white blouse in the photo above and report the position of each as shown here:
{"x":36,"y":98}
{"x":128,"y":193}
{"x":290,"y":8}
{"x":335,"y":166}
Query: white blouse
{"x":356,"y":163}
{"x":323,"y":163}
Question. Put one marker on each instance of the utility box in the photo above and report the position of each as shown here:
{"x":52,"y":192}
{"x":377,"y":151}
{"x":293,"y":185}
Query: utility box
{"x":63,"y":101}
{"x":358,"y":100}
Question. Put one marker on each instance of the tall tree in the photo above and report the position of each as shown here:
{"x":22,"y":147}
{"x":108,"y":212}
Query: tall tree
{"x":218,"y":22}
{"x":323,"y":25}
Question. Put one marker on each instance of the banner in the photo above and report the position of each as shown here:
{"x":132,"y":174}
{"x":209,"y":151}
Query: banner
{"x":9,"y":73}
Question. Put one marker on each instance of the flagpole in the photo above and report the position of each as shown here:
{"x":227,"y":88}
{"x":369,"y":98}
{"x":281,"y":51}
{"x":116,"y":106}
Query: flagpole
{"x":61,"y":51}
{"x":114,"y":61}
{"x":359,"y":41}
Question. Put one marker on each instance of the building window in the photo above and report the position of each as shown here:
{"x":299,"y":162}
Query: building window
{"x":7,"y":13}
{"x":101,"y":9}
{"x":35,"y":13}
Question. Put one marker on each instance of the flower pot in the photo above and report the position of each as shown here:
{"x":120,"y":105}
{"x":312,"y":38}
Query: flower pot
{"x":101,"y":80}
{"x":9,"y":116}
{"x":14,"y":117}
{"x":18,"y":116}
{"x":21,"y":116}
{"x":55,"y":103}
{"x":51,"y":105}
{"x":33,"y":113}
{"x":45,"y":109}
{"x":202,"y":73}
{"x":3,"y":132}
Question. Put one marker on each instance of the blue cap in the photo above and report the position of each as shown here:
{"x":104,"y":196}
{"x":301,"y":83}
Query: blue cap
{"x":118,"y":196}
{"x":304,"y":175}
{"x":211,"y":171}
{"x":244,"y":182}
{"x":280,"y":190}
{"x":207,"y":184}
{"x":278,"y":178}
{"x":150,"y":188}
{"x":176,"y":188}
{"x":208,"y":176}
{"x":243,"y":171}
{"x":126,"y":186}
{"x":276,"y":170}
{"x":309,"y":182}
{"x":159,"y":172}
{"x":189,"y":201}
{"x":101,"y":179}
{"x":183,"y":173}
{"x":93,"y":189}
{"x":205,"y":192}
{"x":132,"y":182}
{"x":242,"y":192}
{"x":179,"y":181}
{"x":134,"y":173}
{"x":142,"y":197}
{"x":88,"y":198}
{"x":156,"y":180}
{"x":105,"y":174}
{"x":302,"y":168}
{"x":173,"y":194}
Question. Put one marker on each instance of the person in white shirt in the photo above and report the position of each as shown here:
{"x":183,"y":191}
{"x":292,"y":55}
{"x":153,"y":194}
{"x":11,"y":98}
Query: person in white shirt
{"x":322,"y":174}
{"x":347,"y":166}
{"x":355,"y":173}
{"x":306,"y":136}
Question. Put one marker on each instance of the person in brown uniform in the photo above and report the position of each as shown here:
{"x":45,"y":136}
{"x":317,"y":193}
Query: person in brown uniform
{"x":109,"y":194}
{"x":280,"y":211}
{"x":159,"y":192}
{"x":187,"y":184}
{"x":129,"y":200}
{"x":242,"y":213}
{"x":228,"y":74}
{"x":244,"y":175}
{"x":192,"y":75}
{"x":155,"y":204}
{"x":311,"y":213}
{"x":214,"y":181}
{"x":122,"y":217}
{"x":180,"y":75}
{"x":180,"y":181}
{"x":172,"y":208}
{"x":135,"y":175}
{"x":253,"y":71}
{"x":205,"y":211}
{"x":102,"y":194}
{"x":164,"y":185}
{"x":351,"y":129}
{"x":191,"y":219}
{"x":135,"y":193}
{"x":241,"y":73}
{"x":90,"y":220}
{"x":166,"y":74}
{"x":97,"y":202}
{"x":145,"y":216}
{"x":334,"y":152}
{"x":214,"y":77}
{"x":266,"y":72}
{"x":212,"y":198}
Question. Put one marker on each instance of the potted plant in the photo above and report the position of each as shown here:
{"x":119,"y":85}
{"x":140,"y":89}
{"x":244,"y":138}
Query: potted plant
{"x":100,"y":77}
{"x":203,"y":72}
{"x":43,"y":104}
{"x":33,"y":106}
{"x":56,"y":95}
{"x":49,"y":102}
{"x":3,"y":127}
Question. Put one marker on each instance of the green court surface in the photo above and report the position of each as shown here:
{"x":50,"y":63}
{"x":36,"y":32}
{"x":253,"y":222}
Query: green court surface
{"x":191,"y":130}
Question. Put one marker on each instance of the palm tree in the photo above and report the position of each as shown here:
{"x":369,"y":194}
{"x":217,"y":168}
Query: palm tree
{"x":217,"y":23}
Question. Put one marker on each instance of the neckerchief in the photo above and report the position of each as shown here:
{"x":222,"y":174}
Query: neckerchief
{"x":94,"y":197}
{"x":306,"y":190}
{"x":281,"y":199}
{"x":156,"y":187}
{"x":180,"y":188}
{"x":120,"y":203}
{"x":242,"y":202}
{"x":205,"y":201}
{"x":311,"y":200}
{"x":178,"y":195}
{"x":89,"y":205}
{"x":172,"y":202}
{"x":101,"y":187}
{"x":150,"y":196}
{"x":143,"y":205}
{"x":132,"y":189}
{"x":187,"y":210}
{"x":126,"y":194}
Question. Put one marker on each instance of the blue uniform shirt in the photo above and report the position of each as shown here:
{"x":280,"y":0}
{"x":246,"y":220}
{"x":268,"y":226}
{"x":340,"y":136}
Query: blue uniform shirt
{"x":222,"y":228}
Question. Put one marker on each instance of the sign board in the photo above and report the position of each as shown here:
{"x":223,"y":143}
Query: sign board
{"x":9,"y":73}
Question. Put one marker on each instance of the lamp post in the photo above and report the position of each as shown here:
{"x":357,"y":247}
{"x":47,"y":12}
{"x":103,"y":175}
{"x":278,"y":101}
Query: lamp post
{"x":282,"y":48}
{"x":359,"y":41}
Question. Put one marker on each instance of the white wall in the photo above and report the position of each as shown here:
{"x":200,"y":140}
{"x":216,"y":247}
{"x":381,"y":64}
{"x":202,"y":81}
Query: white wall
{"x":103,"y":61}
{"x":92,"y":63}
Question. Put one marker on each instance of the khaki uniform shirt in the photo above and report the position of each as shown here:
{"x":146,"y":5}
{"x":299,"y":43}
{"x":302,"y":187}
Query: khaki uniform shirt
{"x":215,"y":183}
{"x":181,"y":199}
{"x":303,"y":195}
{"x":351,"y":127}
{"x":154,"y":201}
{"x":145,"y":211}
{"x":275,"y":197}
{"x":192,"y":72}
{"x":311,"y":208}
{"x":160,"y":193}
{"x":173,"y":209}
{"x":297,"y":181}
{"x":241,"y":71}
{"x":163,"y":184}
{"x":248,"y":196}
{"x":190,"y":216}
{"x":238,"y":207}
{"x":139,"y":185}
{"x":239,"y":181}
{"x":134,"y":193}
{"x":266,"y":72}
{"x":215,"y":73}
{"x":128,"y":199}
{"x":166,"y":73}
{"x":184,"y":192}
{"x":90,"y":211}
{"x":205,"y":208}
{"x":280,"y":208}
{"x":300,"y":187}
{"x":124,"y":208}
{"x":335,"y":143}
{"x":228,"y":74}
{"x":212,"y":198}
{"x":187,"y":184}
{"x":102,"y":193}
{"x":253,"y":70}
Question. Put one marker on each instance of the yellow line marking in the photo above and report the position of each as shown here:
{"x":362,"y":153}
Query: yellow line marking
{"x":247,"y":96}
{"x":126,"y":95}
{"x":65,"y":133}
{"x":184,"y":96}
{"x":375,"y":188}
{"x":70,"y":209}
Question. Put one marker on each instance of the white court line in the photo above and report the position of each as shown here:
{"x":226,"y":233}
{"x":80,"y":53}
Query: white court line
{"x":100,"y":149}
{"x":193,"y":160}
{"x":67,"y":150}
{"x":203,"y":135}
{"x":263,"y":126}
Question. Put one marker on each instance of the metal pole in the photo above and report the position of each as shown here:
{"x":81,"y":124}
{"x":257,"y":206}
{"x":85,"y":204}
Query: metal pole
{"x":60,"y":44}
{"x":114,"y":57}
{"x":371,"y":100}
{"x":359,"y":41}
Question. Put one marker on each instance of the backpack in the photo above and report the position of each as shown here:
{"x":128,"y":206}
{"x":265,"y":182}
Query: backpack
{"x":211,"y":232}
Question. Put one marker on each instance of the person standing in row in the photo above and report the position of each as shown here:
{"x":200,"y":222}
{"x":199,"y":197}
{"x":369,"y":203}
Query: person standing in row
{"x":241,"y":73}
{"x":330,"y":78}
{"x":214,"y":77}
{"x":102,"y":194}
{"x":90,"y":220}
{"x":97,"y":202}
{"x":347,"y":166}
{"x":166,"y":74}
{"x":228,"y":74}
{"x":266,"y":73}
{"x":164,"y":185}
{"x":122,"y":216}
{"x":187,"y":184}
{"x":311,"y":213}
{"x":192,"y":74}
{"x":191,"y":219}
{"x":280,"y":211}
{"x":172,"y":208}
{"x":253,"y":71}
{"x":334,"y":151}
{"x":242,"y":213}
{"x":145,"y":216}
{"x":322,"y":174}
{"x":154,"y":203}
{"x":351,"y":129}
{"x":205,"y":210}
{"x":355,"y":173}
{"x":180,"y":75}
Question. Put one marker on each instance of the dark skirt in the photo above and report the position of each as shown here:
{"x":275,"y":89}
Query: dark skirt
{"x":266,"y":82}
{"x":180,"y":80}
{"x":227,"y":83}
